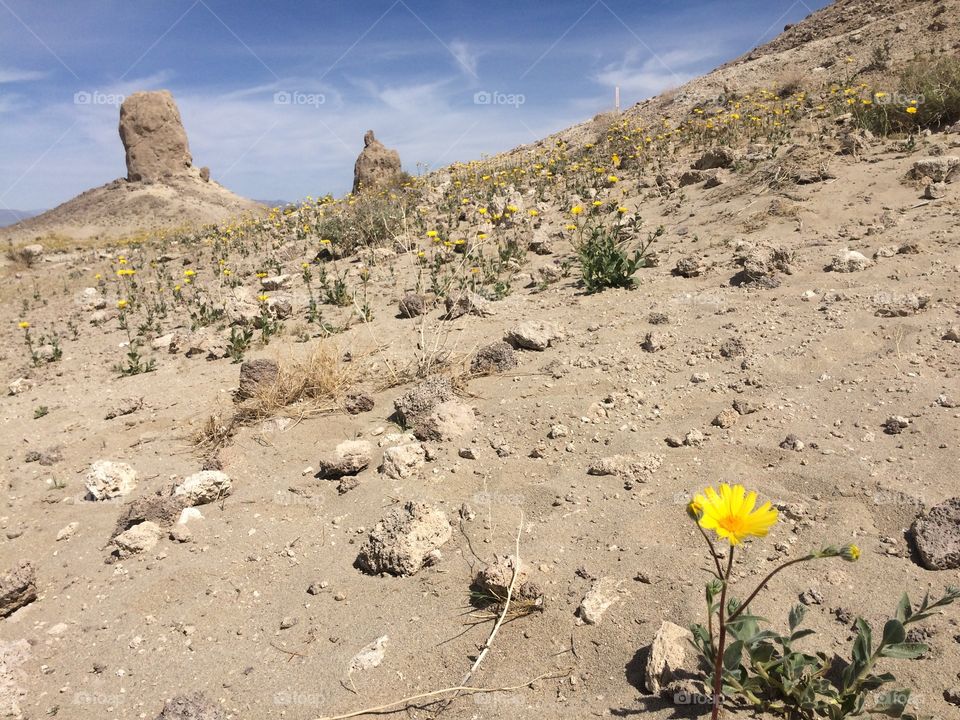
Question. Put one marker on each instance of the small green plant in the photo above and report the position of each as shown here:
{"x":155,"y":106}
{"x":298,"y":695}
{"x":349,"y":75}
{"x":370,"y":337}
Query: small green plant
{"x":605,"y":258}
{"x":40,"y":411}
{"x":239,"y":342}
{"x":763,"y":668}
{"x":135,"y":363}
{"x":336,"y":293}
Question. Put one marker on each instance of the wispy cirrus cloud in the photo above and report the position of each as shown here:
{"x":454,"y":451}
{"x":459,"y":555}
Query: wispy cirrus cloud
{"x":18,"y":75}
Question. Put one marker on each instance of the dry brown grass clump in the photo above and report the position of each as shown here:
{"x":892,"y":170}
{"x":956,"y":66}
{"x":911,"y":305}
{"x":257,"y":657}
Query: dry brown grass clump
{"x":303,"y":388}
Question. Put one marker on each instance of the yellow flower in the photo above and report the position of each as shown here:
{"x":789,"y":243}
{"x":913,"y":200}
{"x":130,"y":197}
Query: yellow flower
{"x":432,"y":233}
{"x":576,"y":210}
{"x":912,"y":110}
{"x":850,"y":553}
{"x":482,"y":211}
{"x":533,"y":213}
{"x":325,"y":241}
{"x":481,"y":236}
{"x":613,"y":179}
{"x":597,"y":203}
{"x":24,"y":325}
{"x":189,"y":273}
{"x":622,"y":210}
{"x":731,"y":513}
{"x":570,"y":226}
{"x":121,"y":304}
{"x":263,"y":298}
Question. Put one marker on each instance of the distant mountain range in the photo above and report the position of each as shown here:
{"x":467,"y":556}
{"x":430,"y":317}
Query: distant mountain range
{"x":9,"y":217}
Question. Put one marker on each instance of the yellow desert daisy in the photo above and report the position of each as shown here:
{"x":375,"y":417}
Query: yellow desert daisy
{"x":732,"y":514}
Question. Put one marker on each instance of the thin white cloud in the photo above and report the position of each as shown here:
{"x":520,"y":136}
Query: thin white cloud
{"x":467,"y":58}
{"x":640,"y":76}
{"x":15,"y":75}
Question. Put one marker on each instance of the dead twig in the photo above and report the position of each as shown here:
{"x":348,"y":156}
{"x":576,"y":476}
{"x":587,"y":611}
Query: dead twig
{"x":405,"y":702}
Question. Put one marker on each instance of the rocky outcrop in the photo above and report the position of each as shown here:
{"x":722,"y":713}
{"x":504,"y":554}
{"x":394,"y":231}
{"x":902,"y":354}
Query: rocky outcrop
{"x":153,"y":137}
{"x":376,"y":166}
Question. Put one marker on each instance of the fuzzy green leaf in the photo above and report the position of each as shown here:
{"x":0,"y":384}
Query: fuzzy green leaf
{"x":732,"y":655}
{"x":796,"y":616}
{"x":893,"y":633}
{"x":904,"y":651}
{"x":904,"y":609}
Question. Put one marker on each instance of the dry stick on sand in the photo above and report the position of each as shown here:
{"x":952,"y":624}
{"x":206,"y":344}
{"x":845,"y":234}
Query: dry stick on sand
{"x":462,"y":687}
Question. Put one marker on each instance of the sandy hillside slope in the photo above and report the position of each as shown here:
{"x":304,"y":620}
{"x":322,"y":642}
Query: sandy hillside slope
{"x":323,"y":427}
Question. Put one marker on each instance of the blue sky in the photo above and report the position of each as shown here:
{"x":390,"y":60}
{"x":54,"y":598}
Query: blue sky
{"x":439,"y":81}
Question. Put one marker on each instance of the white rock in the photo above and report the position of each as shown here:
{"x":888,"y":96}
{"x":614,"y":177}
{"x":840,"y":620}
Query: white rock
{"x":205,"y":487}
{"x":107,"y":479}
{"x":847,"y":261}
{"x":598,"y":600}
{"x":534,"y":335}
{"x":670,"y":653}
{"x":371,"y":655}
{"x":68,"y":531}
{"x":20,"y":385}
{"x":402,"y":461}
{"x":188,"y":515}
{"x":138,"y":539}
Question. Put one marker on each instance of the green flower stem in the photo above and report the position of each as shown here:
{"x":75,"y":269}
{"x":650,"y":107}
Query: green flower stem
{"x":764,"y":582}
{"x":718,"y":663}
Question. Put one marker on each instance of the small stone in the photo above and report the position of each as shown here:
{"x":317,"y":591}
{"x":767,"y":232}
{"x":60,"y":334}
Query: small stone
{"x":671,"y":657}
{"x":638,"y":467}
{"x":402,"y":541}
{"x":413,"y":305}
{"x":68,"y":531}
{"x":895,"y":424}
{"x":138,"y":539}
{"x":601,"y":596}
{"x":403,"y":461}
{"x":107,"y":480}
{"x":534,"y":335}
{"x":18,"y":587}
{"x":356,"y":403}
{"x":792,"y":442}
{"x":204,"y":487}
{"x":848,"y":261}
{"x":126,"y":406}
{"x":694,"y":438}
{"x":288,"y":622}
{"x":349,"y":458}
{"x":181,"y":534}
{"x":256,"y":375}
{"x":495,"y":357}
{"x":726,"y":419}
{"x":936,"y":535}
